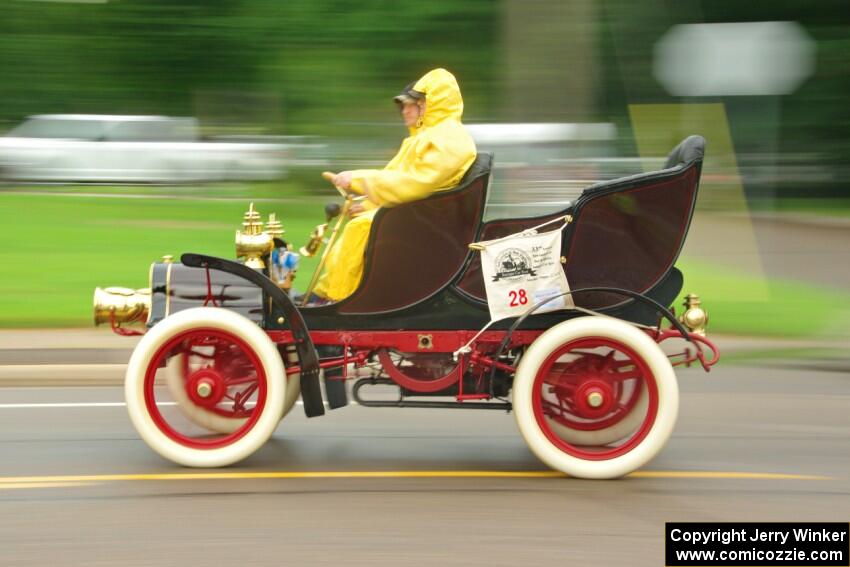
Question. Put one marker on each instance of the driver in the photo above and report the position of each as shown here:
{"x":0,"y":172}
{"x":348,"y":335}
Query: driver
{"x":435,"y":156}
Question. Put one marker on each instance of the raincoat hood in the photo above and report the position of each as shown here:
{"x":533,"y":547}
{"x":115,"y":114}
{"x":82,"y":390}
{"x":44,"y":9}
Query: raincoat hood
{"x":442,"y":97}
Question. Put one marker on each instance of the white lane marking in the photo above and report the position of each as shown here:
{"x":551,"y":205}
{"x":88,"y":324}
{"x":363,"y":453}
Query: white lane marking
{"x":70,"y":405}
{"x":91,"y":371}
{"x":35,"y":485}
{"x":48,"y":405}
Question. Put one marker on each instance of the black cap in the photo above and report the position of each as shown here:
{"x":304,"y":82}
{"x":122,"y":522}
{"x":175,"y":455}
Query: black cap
{"x":408,"y":94}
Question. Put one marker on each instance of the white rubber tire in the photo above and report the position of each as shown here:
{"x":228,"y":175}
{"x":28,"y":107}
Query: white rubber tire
{"x":210,"y":420}
{"x":159,"y":335}
{"x":643,"y":346}
{"x":293,"y":388}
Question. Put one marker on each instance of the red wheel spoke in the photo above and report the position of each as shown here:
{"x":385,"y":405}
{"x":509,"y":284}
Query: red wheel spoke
{"x":589,"y":389}
{"x":206,"y":414}
{"x":241,"y":398}
{"x":193,"y":352}
{"x":623,"y":376}
{"x":243,"y":380}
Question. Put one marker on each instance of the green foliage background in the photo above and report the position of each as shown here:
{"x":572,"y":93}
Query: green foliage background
{"x":321,"y":61}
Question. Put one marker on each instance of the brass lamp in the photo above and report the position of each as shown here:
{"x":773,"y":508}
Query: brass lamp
{"x":695,"y":318}
{"x":252,"y":243}
{"x":121,"y":305}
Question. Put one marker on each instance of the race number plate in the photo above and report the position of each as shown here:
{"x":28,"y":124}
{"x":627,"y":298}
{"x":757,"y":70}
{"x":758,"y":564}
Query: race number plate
{"x":522,"y":270}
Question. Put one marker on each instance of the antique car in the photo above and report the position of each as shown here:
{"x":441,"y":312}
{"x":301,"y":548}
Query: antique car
{"x":226,"y":351}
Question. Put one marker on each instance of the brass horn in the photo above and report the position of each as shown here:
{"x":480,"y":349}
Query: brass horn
{"x":317,"y":237}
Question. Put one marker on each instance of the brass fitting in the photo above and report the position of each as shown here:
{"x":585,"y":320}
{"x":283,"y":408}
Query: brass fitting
{"x":126,"y":305}
{"x":274,"y":227}
{"x":595,"y":399}
{"x":317,"y":237}
{"x":204,"y":389}
{"x":695,"y":318}
{"x":252,"y":244}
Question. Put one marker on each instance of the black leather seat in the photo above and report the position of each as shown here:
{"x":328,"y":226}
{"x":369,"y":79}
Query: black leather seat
{"x":480,"y":167}
{"x":689,"y":150}
{"x":417,"y":248}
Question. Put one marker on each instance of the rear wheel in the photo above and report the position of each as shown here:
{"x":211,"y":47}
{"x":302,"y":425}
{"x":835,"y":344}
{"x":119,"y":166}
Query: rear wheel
{"x":595,"y":397}
{"x":232,"y":394}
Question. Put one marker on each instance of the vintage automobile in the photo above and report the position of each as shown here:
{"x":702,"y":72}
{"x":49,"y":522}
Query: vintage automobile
{"x":227,"y":352}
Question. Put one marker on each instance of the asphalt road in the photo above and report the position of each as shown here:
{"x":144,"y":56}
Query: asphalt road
{"x":63,"y":501}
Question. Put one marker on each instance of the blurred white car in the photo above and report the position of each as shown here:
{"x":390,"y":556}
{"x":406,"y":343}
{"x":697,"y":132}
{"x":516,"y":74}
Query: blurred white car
{"x":151,"y":149}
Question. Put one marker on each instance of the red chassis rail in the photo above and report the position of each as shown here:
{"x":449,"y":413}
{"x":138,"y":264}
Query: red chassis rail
{"x":362,"y":344}
{"x":409,"y":341}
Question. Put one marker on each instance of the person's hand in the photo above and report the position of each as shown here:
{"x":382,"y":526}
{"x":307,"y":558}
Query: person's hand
{"x":343,"y":180}
{"x":355,"y":209}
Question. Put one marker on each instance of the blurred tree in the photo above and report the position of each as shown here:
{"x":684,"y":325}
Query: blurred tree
{"x":315,"y":66}
{"x":329,"y":61}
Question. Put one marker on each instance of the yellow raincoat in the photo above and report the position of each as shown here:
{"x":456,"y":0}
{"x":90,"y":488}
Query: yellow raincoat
{"x":435,"y":156}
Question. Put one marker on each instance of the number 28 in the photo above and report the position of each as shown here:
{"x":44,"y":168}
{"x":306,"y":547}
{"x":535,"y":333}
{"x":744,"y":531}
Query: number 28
{"x":517,"y":297}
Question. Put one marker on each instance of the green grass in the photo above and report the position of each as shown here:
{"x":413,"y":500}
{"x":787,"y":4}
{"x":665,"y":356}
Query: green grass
{"x":55,"y":249}
{"x":759,"y":355}
{"x":834,"y":207}
{"x":748,"y":305}
{"x":283,"y":189}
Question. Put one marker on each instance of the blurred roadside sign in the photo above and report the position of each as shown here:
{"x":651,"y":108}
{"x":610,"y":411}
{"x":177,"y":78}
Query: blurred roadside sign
{"x":754,"y":58}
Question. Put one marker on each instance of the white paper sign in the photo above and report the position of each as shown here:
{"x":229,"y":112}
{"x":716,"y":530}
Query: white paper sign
{"x":522,"y":270}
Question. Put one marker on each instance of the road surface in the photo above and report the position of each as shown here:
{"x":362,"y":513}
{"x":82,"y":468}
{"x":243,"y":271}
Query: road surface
{"x":371,"y":487}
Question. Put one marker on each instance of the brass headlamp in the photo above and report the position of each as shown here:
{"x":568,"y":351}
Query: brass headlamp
{"x":121,"y":305}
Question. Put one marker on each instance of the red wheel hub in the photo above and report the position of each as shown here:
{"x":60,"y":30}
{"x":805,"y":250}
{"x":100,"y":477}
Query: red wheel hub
{"x":206,"y":387}
{"x":594,"y":398}
{"x":588,"y":393}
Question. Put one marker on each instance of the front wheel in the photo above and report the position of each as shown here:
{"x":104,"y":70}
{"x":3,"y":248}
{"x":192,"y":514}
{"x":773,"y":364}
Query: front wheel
{"x":236,"y":377}
{"x":227,"y":416}
{"x":595,"y":397}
